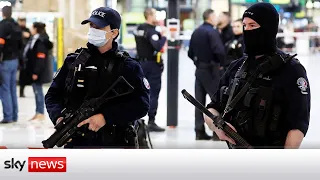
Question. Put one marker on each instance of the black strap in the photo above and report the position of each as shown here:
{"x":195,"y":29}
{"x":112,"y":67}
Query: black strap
{"x":237,"y":78}
{"x":236,"y":83}
{"x":110,"y":66}
{"x":81,"y":58}
{"x":272,"y":63}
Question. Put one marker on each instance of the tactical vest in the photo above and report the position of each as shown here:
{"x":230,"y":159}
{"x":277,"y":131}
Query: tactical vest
{"x":255,"y":116}
{"x":76,"y":86}
{"x":145,"y":50}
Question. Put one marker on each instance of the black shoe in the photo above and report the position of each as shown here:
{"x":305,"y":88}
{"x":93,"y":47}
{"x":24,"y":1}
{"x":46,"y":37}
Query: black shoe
{"x":6,"y":122}
{"x":215,"y":137}
{"x":153,"y":127}
{"x":22,"y":96}
{"x":201,"y":135}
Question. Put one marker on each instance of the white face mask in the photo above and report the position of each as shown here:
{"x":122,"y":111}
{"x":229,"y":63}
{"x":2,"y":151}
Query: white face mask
{"x":97,"y":37}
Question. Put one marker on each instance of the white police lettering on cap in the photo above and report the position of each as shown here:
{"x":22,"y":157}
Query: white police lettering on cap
{"x":303,"y":85}
{"x":146,"y":83}
{"x":155,"y":37}
{"x":99,"y":13}
{"x":248,"y":12}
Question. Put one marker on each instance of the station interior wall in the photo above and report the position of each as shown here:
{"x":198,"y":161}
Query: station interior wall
{"x":72,"y":12}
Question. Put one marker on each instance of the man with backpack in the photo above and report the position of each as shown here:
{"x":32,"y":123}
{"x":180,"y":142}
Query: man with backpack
{"x":10,"y":46}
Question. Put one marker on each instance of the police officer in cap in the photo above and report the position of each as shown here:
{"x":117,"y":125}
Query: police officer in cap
{"x":207,"y":52}
{"x":94,"y":78}
{"x":272,"y":110}
{"x":150,"y":43}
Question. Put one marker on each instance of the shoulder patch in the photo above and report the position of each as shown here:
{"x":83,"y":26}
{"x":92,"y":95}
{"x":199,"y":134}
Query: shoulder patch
{"x":302,"y":85}
{"x":155,"y":37}
{"x":41,"y":55}
{"x":2,"y":41}
{"x":146,"y":83}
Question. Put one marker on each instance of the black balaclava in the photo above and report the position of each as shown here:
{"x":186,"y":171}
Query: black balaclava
{"x":262,"y":40}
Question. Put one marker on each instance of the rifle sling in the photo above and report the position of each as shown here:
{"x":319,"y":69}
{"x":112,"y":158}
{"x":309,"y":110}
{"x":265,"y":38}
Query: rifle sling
{"x":263,"y":68}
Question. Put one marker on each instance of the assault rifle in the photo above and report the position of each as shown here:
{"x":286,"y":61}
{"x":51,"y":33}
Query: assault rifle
{"x":218,"y":121}
{"x":67,"y":127}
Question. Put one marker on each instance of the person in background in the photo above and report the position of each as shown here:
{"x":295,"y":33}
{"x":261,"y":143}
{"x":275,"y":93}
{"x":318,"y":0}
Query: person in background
{"x":280,"y":40}
{"x":48,"y":76}
{"x":26,"y":34}
{"x":10,"y":48}
{"x":150,"y":44}
{"x":289,"y":41}
{"x":235,"y":46}
{"x":224,"y":26}
{"x":36,"y":53}
{"x":207,"y":52}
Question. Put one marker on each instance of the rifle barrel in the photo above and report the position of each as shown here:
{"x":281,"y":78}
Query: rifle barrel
{"x":217,"y":121}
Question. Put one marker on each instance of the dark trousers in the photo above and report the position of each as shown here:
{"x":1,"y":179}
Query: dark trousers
{"x":22,"y":89}
{"x":153,"y":71}
{"x":22,"y":80}
{"x":207,"y":81}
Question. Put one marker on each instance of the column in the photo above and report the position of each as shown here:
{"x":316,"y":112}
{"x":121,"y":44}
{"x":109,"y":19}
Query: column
{"x":173,"y":70}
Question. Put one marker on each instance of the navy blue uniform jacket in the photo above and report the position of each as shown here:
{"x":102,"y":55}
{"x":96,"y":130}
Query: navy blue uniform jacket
{"x":122,"y":110}
{"x":206,"y":45}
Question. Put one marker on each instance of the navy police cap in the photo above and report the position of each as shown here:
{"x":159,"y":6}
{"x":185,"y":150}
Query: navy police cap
{"x":103,"y":17}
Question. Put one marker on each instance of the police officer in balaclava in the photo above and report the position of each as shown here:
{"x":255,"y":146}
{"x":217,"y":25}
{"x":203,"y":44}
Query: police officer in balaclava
{"x":274,"y":111}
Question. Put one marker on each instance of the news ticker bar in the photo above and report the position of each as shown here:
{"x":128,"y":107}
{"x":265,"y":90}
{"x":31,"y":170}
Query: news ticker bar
{"x":160,"y":164}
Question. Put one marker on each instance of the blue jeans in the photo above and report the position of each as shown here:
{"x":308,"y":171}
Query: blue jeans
{"x":38,"y":92}
{"x":8,"y":89}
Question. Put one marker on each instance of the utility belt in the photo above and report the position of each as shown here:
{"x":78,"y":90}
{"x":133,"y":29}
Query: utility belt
{"x":156,"y":58}
{"x":144,"y":59}
{"x":202,"y":65}
{"x":109,"y":136}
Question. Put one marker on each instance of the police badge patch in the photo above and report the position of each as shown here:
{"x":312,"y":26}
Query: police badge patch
{"x":146,"y":83}
{"x":155,"y":37}
{"x":303,"y":85}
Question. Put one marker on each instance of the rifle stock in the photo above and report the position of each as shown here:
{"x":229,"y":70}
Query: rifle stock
{"x":217,"y":121}
{"x":68,"y":126}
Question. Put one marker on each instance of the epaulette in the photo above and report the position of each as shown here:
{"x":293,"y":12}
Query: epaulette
{"x":80,"y":49}
{"x":76,"y":52}
{"x":124,"y":55}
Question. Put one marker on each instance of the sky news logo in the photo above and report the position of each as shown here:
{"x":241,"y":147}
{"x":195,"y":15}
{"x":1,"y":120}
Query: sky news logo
{"x":38,"y":164}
